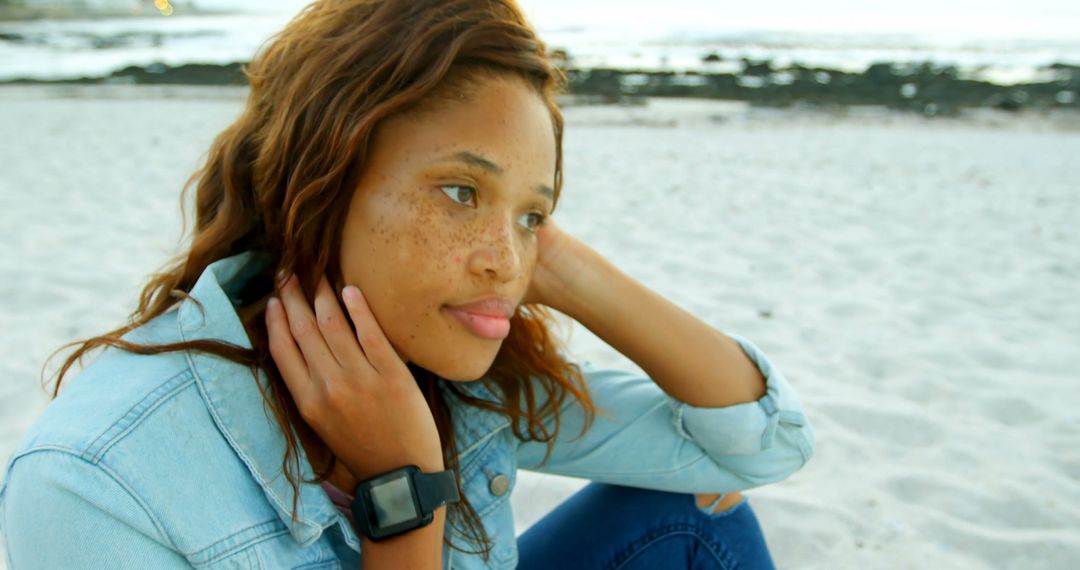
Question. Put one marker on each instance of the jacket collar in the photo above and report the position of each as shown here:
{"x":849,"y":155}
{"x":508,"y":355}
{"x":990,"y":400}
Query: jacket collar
{"x":234,"y":400}
{"x":471,"y":425}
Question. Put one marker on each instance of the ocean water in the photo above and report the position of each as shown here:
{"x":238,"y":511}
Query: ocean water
{"x":64,"y":49}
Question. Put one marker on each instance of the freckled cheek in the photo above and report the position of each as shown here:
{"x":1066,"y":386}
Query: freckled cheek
{"x":449,"y":258}
{"x":432,"y":235}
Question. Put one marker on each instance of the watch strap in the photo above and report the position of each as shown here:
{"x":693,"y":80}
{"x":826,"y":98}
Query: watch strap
{"x":435,"y":489}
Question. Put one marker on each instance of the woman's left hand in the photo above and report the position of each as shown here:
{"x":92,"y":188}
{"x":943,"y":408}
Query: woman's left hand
{"x":561,"y":267}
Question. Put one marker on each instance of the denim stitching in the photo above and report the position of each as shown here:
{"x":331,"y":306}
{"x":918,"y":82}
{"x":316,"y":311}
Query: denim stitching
{"x":164,"y":536}
{"x":312,"y":527}
{"x":483,"y":439}
{"x":257,"y":538}
{"x":253,"y":553}
{"x":719,"y":554}
{"x":136,"y":414}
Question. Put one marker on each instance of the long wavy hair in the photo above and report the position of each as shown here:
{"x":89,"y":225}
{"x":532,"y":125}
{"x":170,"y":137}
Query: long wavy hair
{"x":279,"y":179}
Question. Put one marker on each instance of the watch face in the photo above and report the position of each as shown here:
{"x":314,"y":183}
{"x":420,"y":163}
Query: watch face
{"x":393,"y":501}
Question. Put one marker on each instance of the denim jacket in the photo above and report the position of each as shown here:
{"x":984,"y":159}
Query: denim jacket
{"x":172,"y":461}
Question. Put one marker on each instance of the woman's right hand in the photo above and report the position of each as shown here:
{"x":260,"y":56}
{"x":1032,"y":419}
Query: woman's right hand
{"x":352,"y":389}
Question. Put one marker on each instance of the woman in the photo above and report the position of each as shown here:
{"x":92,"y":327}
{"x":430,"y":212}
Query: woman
{"x":352,"y":357}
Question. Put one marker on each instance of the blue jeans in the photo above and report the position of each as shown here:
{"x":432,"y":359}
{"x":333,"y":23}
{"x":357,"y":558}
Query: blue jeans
{"x":606,"y":526}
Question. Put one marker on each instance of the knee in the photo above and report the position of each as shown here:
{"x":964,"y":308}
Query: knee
{"x":729,"y":500}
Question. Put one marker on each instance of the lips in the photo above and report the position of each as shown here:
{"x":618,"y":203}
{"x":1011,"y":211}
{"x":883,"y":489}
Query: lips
{"x":489,"y":307}
{"x":487,"y":318}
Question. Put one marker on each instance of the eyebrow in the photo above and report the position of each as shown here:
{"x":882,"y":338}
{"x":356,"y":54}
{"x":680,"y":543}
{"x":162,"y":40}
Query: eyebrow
{"x":473,"y":159}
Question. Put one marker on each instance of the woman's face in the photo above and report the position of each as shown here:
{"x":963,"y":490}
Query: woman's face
{"x":445,"y":215}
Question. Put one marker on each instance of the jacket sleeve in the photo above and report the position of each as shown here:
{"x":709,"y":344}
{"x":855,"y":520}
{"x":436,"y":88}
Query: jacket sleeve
{"x":60,"y":511}
{"x":645,"y":438}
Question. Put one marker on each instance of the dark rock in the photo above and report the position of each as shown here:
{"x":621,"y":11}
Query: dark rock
{"x":1010,"y":101}
{"x":188,"y":74}
{"x":756,"y":68}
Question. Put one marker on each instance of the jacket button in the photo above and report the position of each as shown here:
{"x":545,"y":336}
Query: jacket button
{"x":499,"y":485}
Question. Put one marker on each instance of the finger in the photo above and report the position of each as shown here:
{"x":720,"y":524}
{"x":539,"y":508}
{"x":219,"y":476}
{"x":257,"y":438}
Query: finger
{"x":290,"y":362}
{"x":335,"y":328}
{"x":376,"y":347}
{"x":305,"y":329}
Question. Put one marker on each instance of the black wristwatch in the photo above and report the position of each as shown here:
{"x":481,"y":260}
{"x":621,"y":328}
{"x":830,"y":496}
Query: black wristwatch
{"x":400,"y":500}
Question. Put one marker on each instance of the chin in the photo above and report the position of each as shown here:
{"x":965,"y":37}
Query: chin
{"x":460,"y":370}
{"x":467,"y":373}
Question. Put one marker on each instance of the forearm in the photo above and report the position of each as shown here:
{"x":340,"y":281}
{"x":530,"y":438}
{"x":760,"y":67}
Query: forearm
{"x":687,"y":358}
{"x":419,"y":549}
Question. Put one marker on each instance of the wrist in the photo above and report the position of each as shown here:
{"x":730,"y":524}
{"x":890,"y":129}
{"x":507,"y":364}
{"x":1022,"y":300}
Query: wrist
{"x":401,"y":500}
{"x":576,"y":293}
{"x":365,"y":472}
{"x":572,"y":278}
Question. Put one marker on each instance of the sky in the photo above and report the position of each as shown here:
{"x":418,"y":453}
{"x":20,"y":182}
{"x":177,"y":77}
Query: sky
{"x":1020,"y":18}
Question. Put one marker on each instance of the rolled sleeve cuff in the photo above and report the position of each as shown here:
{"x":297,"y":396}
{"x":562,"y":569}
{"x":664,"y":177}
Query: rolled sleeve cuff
{"x":749,"y":427}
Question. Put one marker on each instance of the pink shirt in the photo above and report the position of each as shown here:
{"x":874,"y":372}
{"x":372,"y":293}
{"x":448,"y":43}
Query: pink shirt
{"x":341,"y":500}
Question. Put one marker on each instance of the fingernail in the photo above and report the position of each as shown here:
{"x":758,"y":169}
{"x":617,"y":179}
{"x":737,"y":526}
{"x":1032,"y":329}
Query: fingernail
{"x":272,"y":302}
{"x":351,"y":294}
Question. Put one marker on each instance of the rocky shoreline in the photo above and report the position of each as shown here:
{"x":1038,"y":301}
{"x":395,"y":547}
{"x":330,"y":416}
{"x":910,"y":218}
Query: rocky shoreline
{"x":928,"y":89}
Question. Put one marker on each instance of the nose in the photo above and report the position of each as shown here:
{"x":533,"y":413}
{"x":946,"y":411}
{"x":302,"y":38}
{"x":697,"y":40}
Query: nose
{"x":498,"y":254}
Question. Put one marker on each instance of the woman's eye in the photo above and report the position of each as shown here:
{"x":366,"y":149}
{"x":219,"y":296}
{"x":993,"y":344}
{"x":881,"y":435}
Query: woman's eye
{"x":538,"y":221}
{"x":465,"y":194}
{"x":455,"y":191}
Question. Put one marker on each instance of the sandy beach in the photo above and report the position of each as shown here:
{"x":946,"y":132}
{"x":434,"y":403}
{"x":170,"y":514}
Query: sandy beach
{"x":916,"y":279}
